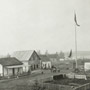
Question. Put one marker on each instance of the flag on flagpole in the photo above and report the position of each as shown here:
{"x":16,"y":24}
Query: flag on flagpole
{"x":75,"y":19}
{"x":70,"y":54}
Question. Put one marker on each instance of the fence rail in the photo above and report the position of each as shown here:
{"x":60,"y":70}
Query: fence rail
{"x":83,"y":87}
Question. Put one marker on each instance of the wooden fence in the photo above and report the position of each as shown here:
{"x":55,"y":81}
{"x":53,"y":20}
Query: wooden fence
{"x":49,"y":86}
{"x":62,"y":87}
{"x":46,"y":86}
{"x":83,"y":87}
{"x":56,"y":86}
{"x":9,"y":88}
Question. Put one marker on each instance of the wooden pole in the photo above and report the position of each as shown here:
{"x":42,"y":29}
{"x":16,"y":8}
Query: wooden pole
{"x":75,"y":45}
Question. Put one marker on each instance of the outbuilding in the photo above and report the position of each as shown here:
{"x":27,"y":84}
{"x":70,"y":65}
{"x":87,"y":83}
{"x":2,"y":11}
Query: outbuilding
{"x":87,"y":66}
{"x":45,"y":62}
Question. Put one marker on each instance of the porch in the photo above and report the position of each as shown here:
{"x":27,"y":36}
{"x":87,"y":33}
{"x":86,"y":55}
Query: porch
{"x":12,"y":70}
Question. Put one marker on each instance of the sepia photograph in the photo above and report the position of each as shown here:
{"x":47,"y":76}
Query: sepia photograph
{"x":44,"y":45}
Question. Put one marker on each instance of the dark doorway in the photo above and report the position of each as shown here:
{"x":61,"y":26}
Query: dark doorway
{"x":13,"y":71}
{"x":37,"y":66}
{"x":34,"y":66}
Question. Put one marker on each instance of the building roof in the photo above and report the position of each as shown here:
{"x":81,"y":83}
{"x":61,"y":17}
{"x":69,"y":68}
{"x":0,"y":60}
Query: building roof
{"x":23,"y":55}
{"x":44,"y":58}
{"x":53,"y":56}
{"x":9,"y":61}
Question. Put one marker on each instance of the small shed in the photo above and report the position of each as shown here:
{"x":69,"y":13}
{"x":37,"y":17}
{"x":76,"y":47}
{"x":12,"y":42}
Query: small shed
{"x":87,"y":66}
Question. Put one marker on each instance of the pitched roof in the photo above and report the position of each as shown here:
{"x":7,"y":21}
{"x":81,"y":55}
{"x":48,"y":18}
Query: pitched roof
{"x":9,"y":61}
{"x":44,"y":58}
{"x":53,"y":56}
{"x":23,"y":55}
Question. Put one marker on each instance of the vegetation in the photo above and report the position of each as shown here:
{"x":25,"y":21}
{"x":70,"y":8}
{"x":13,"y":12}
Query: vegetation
{"x":69,"y":81}
{"x":61,"y":55}
{"x":37,"y":86}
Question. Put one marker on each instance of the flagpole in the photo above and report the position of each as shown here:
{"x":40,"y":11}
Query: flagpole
{"x":76,"y":24}
{"x":75,"y":45}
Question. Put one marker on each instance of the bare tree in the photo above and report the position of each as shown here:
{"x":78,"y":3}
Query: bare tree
{"x":39,"y":52}
{"x":8,"y":55}
{"x":46,"y":53}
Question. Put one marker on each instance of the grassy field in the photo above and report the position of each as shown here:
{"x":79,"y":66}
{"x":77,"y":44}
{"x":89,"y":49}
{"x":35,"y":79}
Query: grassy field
{"x":64,"y":65}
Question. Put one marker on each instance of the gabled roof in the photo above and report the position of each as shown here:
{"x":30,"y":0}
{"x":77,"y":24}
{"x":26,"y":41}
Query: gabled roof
{"x":44,"y":58}
{"x":9,"y":61}
{"x":23,"y":55}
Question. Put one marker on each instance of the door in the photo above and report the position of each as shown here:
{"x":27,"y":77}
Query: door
{"x":13,"y":71}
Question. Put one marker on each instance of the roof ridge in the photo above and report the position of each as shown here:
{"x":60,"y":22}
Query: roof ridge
{"x":23,"y":55}
{"x":24,"y":50}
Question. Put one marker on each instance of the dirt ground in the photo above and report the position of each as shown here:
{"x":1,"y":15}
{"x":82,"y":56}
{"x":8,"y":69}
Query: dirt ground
{"x":26,"y":80}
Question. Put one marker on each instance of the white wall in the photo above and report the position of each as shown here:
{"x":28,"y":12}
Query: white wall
{"x":21,"y":70}
{"x":1,"y":70}
{"x":87,"y":66}
{"x":25,"y":66}
{"x":9,"y":71}
{"x":5,"y":71}
{"x":48,"y":64}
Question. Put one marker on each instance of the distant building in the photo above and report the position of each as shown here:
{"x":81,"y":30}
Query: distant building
{"x":10,"y":66}
{"x":80,"y":54}
{"x":61,"y":59}
{"x":45,"y":62}
{"x":87,"y":66}
{"x":54,"y":57}
{"x":29,"y":58}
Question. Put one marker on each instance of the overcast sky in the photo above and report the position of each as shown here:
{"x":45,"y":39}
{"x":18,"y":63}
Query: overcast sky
{"x":43,"y":24}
